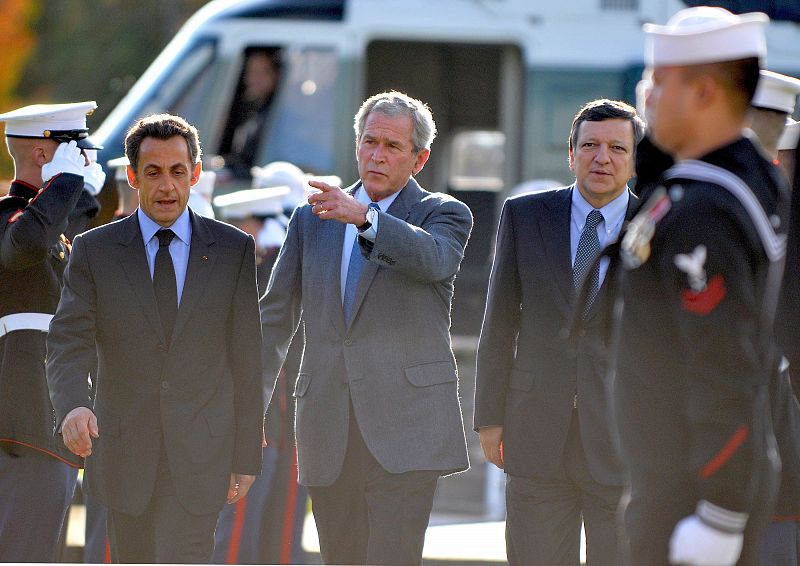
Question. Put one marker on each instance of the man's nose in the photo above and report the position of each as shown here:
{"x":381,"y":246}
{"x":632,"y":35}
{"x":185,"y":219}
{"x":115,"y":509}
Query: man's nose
{"x":602,"y":153}
{"x":378,"y":154}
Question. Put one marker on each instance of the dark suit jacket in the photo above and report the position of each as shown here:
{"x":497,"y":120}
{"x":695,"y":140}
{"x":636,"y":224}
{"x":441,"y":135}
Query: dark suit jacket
{"x":529,"y":371}
{"x":201,"y":393}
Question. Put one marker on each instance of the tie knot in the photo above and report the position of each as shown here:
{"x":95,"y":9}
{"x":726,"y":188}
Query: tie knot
{"x":374,"y":205}
{"x":594,"y":218}
{"x":164,"y":237}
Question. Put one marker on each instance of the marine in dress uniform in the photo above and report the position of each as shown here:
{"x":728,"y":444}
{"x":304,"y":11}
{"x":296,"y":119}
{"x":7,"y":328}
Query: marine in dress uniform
{"x":692,"y":365}
{"x":37,"y":473}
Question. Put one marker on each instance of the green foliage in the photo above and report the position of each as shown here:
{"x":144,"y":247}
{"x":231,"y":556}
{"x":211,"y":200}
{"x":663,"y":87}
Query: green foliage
{"x":96,"y":49}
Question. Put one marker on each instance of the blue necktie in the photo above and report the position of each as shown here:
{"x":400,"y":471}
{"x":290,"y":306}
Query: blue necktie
{"x":588,"y":248}
{"x":354,"y":269}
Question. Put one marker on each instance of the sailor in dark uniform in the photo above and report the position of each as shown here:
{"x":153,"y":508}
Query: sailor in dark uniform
{"x":37,"y":473}
{"x":693,"y":355}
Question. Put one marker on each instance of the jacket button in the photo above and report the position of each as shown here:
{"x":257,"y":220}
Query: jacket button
{"x":582,"y":333}
{"x":162,"y":347}
{"x":348,"y":342}
{"x":164,"y":385}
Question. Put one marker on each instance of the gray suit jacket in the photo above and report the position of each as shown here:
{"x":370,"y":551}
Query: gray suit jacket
{"x":395,"y":359}
{"x":201,"y":392}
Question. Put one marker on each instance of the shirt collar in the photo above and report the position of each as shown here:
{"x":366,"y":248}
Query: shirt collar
{"x":149,"y":227}
{"x":384,"y":204}
{"x":613,"y":212}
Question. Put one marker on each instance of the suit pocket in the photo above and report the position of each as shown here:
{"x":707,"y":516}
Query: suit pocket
{"x":434,"y":373}
{"x":521,"y":380}
{"x":220,"y":425}
{"x":301,"y":385}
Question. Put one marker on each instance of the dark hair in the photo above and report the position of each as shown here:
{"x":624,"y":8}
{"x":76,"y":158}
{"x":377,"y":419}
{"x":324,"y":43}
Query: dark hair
{"x":739,"y":78}
{"x":605,"y":109}
{"x":161,"y":127}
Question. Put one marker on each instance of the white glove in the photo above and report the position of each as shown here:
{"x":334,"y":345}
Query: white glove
{"x":695,"y":543}
{"x":93,"y":178}
{"x":67,"y":159}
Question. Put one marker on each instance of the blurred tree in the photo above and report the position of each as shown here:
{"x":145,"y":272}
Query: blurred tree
{"x":18,"y":42}
{"x":96,"y":49}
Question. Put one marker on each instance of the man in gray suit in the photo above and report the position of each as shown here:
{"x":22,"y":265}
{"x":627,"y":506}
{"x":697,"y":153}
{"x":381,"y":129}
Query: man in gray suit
{"x":540,"y":399}
{"x":166,"y":302}
{"x":370,"y":270}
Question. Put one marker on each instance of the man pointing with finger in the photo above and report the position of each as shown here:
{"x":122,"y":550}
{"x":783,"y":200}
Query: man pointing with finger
{"x":370,"y":272}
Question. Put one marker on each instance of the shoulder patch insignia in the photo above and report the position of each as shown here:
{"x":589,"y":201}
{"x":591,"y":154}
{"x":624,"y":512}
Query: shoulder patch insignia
{"x":635,"y":246}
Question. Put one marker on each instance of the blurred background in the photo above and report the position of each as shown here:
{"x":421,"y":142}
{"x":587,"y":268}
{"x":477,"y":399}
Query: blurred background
{"x":71,"y":50}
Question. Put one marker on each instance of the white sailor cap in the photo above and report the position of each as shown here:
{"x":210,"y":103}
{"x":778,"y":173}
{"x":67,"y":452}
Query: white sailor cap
{"x":252,"y":202}
{"x":705,"y":35}
{"x":790,"y":136}
{"x":60,"y":122}
{"x":776,"y":92}
{"x":283,"y":173}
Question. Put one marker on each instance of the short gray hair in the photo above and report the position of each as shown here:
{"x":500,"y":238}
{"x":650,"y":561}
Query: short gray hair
{"x":398,"y":104}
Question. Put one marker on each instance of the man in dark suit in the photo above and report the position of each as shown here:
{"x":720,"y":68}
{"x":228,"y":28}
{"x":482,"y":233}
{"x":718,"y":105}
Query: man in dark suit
{"x":168,"y":301}
{"x":540,"y":399}
{"x":378,"y":417}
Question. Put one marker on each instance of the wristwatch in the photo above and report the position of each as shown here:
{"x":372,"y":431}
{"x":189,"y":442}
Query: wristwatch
{"x":372,"y":215}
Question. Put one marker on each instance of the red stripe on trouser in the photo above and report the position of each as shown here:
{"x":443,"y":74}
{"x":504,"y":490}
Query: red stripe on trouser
{"x":107,"y":554}
{"x":287,"y":535}
{"x":725,"y":454}
{"x":236,"y":531}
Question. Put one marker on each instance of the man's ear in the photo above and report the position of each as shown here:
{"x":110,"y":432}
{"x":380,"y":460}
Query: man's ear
{"x":132,"y":181}
{"x":422,"y":159}
{"x":198,"y":168}
{"x":571,"y":161}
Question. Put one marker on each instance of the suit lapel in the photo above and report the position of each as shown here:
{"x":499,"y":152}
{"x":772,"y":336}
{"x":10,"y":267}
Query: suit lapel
{"x":554,"y":229}
{"x":134,"y":262}
{"x":400,"y":208}
{"x":198,"y":270}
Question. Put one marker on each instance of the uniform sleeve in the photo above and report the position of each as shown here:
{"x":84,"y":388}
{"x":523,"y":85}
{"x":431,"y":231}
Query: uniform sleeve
{"x":27,"y":233}
{"x":709,"y":273}
{"x":244,"y":346}
{"x":500,"y":328}
{"x":71,"y":351}
{"x":431,"y":252}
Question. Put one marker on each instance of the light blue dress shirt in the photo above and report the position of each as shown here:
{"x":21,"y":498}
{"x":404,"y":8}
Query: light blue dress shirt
{"x":607,"y":231}
{"x":178,"y":247}
{"x":350,"y":230}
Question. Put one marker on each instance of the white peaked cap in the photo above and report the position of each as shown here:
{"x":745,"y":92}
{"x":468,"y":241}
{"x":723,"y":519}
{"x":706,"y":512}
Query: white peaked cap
{"x":790,"y":136}
{"x":60,"y":122}
{"x":705,"y":35}
{"x":776,"y":92}
{"x":252,"y":202}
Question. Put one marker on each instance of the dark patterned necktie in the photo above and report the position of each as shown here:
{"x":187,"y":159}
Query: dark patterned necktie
{"x":588,"y":248}
{"x":164,"y":283}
